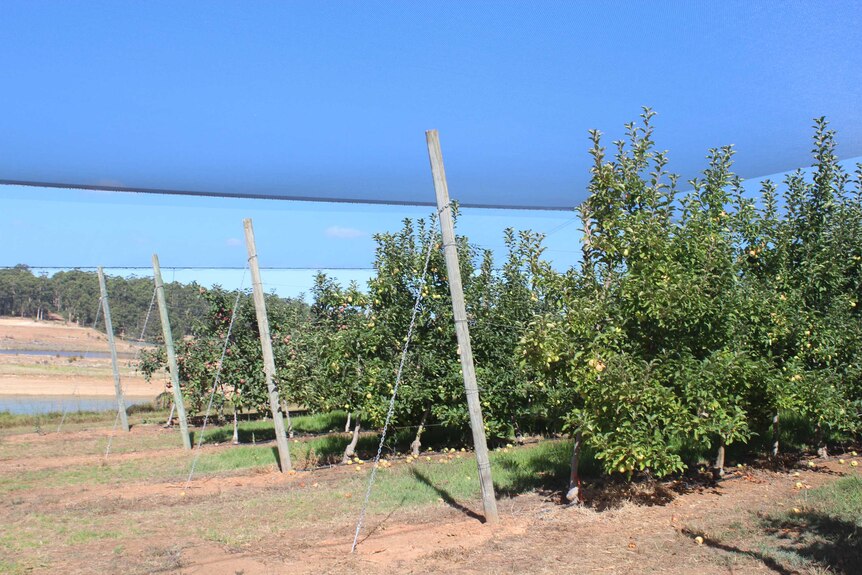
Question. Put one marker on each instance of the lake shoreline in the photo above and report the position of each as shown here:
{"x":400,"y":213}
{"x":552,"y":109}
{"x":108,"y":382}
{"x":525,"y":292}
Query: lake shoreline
{"x":45,"y":404}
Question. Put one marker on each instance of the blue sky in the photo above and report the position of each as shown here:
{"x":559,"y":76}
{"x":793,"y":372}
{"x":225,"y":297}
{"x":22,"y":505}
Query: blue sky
{"x":331,"y":100}
{"x":121,"y":230}
{"x":77,"y":228}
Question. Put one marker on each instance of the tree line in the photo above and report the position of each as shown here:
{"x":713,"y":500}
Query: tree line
{"x":73,"y":297}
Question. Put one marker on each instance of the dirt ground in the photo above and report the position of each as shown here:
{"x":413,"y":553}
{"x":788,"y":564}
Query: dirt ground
{"x":22,"y":333}
{"x":69,"y":508}
{"x":65,"y":375}
{"x":229,"y":524}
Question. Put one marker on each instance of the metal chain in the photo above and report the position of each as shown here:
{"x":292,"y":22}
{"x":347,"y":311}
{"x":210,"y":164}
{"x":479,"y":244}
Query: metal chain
{"x":216,"y":380}
{"x":394,"y":391}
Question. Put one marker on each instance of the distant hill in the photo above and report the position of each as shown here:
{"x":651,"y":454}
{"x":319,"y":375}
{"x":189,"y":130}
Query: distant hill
{"x":73,"y":297}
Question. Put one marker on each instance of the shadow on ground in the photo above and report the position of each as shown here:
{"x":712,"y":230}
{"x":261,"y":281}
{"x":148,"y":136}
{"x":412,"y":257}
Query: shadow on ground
{"x":829,"y":541}
{"x":446,"y":496}
{"x":822,"y":534}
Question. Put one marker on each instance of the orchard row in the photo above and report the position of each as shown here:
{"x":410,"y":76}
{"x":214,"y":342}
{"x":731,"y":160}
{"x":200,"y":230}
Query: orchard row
{"x":700,"y":314}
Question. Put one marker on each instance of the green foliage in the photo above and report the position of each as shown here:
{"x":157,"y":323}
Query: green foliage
{"x":358,"y":338}
{"x":239,"y":364}
{"x":695,"y":316}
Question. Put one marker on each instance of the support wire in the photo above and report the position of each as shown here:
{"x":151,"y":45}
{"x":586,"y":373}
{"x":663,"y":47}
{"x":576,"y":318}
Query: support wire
{"x":89,"y":347}
{"x":215,"y":382}
{"x":391,"y":410}
{"x":138,"y":356}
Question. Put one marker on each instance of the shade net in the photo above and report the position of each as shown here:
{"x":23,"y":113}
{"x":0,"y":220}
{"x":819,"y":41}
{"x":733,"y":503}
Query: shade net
{"x":330,"y":102}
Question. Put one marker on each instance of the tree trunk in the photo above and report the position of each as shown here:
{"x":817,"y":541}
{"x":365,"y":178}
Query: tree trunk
{"x":286,"y":412}
{"x":170,"y":415}
{"x":347,"y":425}
{"x":574,"y":494}
{"x":350,"y":451}
{"x":417,"y":443}
{"x":719,"y":459}
{"x":775,"y":435}
{"x":820,"y":440}
{"x":519,"y":436}
{"x":235,"y":428}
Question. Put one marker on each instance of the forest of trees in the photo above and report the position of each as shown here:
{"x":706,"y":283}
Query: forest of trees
{"x":74,"y":296}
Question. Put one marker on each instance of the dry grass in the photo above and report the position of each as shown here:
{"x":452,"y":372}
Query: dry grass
{"x":133,"y":515}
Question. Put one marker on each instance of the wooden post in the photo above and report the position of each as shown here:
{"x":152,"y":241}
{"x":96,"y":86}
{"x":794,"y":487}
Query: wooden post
{"x":109,"y":329}
{"x":462,"y":330}
{"x":266,"y":346}
{"x":171,"y":353}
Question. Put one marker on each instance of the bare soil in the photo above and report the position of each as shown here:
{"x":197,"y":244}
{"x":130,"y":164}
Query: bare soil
{"x":22,"y":333}
{"x":259,"y":521}
{"x":63,"y":375}
{"x":128,"y":526}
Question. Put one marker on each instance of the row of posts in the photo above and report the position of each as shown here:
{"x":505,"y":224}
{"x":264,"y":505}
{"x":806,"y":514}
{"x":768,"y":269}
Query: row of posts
{"x":462,"y":332}
{"x":169,"y":347}
{"x":266,"y":344}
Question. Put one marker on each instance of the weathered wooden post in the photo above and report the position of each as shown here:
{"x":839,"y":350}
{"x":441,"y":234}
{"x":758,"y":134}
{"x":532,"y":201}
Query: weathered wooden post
{"x":109,"y":329}
{"x":462,"y":330}
{"x":266,"y":346}
{"x":171,"y":353}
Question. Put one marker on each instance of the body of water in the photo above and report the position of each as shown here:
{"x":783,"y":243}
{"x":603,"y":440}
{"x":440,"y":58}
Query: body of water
{"x":38,"y":404}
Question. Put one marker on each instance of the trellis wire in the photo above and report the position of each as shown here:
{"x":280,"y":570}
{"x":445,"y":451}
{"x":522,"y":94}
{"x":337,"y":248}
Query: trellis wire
{"x":75,"y":391}
{"x":204,"y":268}
{"x":147,"y":319}
{"x":216,"y":381}
{"x":66,"y":410}
{"x":170,"y":288}
{"x":394,"y":392}
{"x":111,"y":436}
{"x":138,"y":354}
